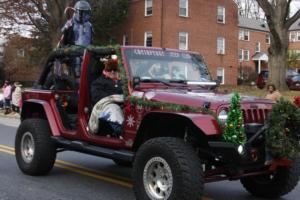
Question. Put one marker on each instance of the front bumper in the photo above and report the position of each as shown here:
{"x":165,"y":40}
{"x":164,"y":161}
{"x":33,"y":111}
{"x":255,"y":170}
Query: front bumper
{"x":253,"y":154}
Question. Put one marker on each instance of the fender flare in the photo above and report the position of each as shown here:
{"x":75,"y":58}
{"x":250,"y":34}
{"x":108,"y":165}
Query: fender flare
{"x":205,"y":123}
{"x":47,"y":110}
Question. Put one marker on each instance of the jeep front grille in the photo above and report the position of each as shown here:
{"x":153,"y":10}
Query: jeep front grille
{"x":255,"y":115}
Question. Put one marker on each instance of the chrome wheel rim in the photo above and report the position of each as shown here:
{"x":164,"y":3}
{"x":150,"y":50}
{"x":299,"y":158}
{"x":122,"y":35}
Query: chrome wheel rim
{"x":27,"y":147}
{"x":158,"y":179}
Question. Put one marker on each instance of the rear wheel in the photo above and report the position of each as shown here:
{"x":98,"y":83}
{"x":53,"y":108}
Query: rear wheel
{"x":275,"y":184}
{"x":167,"y":168}
{"x":35,"y":152}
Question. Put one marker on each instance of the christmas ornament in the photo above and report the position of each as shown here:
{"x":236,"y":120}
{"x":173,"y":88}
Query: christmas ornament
{"x":234,"y":131}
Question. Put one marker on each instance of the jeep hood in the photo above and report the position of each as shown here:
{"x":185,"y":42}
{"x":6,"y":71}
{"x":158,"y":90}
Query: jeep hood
{"x":197,"y":99}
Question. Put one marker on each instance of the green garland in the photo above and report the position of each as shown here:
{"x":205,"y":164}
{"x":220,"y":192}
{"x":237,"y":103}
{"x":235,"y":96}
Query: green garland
{"x":234,"y":128}
{"x":170,"y":106}
{"x":283,"y":132}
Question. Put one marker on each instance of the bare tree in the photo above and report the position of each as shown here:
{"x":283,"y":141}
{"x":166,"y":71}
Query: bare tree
{"x":45,"y":18}
{"x":279,"y":20}
{"x":249,"y":9}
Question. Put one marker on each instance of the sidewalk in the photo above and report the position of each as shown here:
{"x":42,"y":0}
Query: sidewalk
{"x":10,"y":115}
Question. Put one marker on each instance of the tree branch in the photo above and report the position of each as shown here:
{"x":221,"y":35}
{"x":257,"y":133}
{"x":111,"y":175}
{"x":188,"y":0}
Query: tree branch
{"x":293,"y":19}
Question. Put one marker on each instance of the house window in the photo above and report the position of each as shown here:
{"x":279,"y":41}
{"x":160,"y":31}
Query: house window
{"x":221,"y":45}
{"x":298,"y":36}
{"x":241,"y":54}
{"x":293,"y":36}
{"x":221,"y":14}
{"x":221,"y":75}
{"x":244,"y":35}
{"x":148,"y":7}
{"x":125,"y":40}
{"x":183,"y":41}
{"x":148,"y":39}
{"x":268,"y":40}
{"x":257,"y":47}
{"x":246,"y":54}
{"x":183,"y":8}
{"x":21,"y":53}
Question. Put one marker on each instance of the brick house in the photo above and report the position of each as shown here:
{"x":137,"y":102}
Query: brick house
{"x":253,"y":44}
{"x":207,"y":27}
{"x":294,"y":47}
{"x":254,"y":41}
{"x":18,"y":65}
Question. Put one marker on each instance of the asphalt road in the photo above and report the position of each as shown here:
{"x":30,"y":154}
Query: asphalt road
{"x":77,"y":176}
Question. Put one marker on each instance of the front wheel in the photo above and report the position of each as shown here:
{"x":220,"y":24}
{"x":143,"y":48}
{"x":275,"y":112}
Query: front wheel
{"x":35,"y":152}
{"x":167,"y":168}
{"x":275,"y":184}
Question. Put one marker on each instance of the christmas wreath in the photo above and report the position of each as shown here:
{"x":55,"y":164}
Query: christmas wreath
{"x":283,"y":132}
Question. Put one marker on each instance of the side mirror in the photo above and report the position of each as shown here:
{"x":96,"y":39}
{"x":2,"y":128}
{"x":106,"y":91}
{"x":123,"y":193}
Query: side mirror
{"x":136,"y":82}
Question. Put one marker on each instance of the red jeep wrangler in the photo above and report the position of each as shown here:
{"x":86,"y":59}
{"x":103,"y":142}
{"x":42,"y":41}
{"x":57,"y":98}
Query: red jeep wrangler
{"x":175,"y":147}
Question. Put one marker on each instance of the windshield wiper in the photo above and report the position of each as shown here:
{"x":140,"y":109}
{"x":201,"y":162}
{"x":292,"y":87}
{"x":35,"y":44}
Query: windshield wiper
{"x":182,"y":81}
{"x":155,"y":81}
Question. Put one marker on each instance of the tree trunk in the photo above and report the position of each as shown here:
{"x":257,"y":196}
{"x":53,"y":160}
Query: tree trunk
{"x":278,"y":52}
{"x":277,"y":70}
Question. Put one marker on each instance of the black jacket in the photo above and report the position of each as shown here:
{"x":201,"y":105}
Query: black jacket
{"x":103,"y":87}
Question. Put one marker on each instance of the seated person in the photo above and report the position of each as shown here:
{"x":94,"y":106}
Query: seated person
{"x":177,"y":73}
{"x":273,"y":94}
{"x":106,"y":93}
{"x":156,"y":71}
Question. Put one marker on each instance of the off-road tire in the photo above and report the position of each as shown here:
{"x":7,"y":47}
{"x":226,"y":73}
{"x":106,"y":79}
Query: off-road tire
{"x":284,"y":180}
{"x":44,"y":149}
{"x":185,"y":165}
{"x":122,"y":163}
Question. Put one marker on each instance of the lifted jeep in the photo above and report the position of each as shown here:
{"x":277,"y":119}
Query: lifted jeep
{"x":174,"y":149}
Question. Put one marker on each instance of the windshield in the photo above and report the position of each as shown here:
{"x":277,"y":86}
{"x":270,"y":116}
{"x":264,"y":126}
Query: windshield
{"x":167,"y":65}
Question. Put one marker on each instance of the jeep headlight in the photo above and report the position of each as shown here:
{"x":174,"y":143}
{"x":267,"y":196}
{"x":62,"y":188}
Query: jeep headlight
{"x":223,"y":115}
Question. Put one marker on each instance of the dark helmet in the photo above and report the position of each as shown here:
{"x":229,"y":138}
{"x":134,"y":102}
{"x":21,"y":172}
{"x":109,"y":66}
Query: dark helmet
{"x":82,"y":11}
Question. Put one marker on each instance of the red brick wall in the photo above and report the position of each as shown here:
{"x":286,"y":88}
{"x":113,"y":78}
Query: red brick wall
{"x":201,"y":25}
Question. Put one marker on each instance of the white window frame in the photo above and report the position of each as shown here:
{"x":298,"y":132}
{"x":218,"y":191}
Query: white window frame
{"x":297,"y":36}
{"x":147,"y":6}
{"x":223,"y":74}
{"x":186,"y":7}
{"x":241,"y":54}
{"x":268,"y":38}
{"x":223,"y":15}
{"x":125,"y":40}
{"x":293,"y":36}
{"x":21,"y":53}
{"x":221,"y":49}
{"x":257,"y":47}
{"x":186,"y":35}
{"x":242,"y":34}
{"x":244,"y":54}
{"x":148,"y":33}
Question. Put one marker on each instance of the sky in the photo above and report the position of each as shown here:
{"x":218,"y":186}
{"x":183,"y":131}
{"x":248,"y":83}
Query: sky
{"x":295,"y":6}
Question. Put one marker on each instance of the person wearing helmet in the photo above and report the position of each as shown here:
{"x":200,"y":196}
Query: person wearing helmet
{"x":78,"y":30}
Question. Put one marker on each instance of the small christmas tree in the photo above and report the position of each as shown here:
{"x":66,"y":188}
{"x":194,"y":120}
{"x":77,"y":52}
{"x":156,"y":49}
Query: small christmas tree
{"x":234,"y":131}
